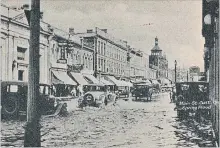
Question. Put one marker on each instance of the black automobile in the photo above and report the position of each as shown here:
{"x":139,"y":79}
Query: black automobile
{"x":142,"y":91}
{"x":14,"y":99}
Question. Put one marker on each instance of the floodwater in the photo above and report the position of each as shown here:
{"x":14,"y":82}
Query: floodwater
{"x":128,"y":124}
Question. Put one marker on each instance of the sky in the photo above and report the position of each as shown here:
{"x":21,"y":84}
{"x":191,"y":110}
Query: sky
{"x":176,"y":23}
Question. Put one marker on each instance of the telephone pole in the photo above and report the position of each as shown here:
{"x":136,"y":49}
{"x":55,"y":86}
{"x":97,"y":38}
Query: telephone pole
{"x":32,"y":129}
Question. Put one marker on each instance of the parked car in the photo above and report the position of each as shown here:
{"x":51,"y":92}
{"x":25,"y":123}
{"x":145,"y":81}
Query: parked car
{"x":96,"y":95}
{"x":14,"y":96}
{"x":123,"y":91}
{"x":192,"y":98}
{"x":142,"y":91}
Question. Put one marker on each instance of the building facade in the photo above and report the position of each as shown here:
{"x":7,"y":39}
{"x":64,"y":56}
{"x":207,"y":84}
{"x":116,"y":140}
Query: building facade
{"x":60,"y":51}
{"x":158,"y":61}
{"x":111,"y":55}
{"x":210,"y":31}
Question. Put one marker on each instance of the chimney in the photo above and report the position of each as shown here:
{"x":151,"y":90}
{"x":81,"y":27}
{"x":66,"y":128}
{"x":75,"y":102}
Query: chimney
{"x":105,"y":30}
{"x":71,"y":31}
{"x":89,"y":31}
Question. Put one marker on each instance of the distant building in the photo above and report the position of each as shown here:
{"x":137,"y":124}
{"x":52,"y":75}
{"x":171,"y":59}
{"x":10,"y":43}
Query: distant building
{"x":194,"y":73}
{"x":113,"y":56}
{"x":158,"y":61}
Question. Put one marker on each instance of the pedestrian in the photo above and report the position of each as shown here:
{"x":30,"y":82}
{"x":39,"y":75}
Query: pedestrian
{"x":73,"y":92}
{"x":80,"y":90}
{"x":171,"y":97}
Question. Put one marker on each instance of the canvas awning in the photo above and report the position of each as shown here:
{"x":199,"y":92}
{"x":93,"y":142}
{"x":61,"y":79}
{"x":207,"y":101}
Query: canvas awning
{"x":61,"y":77}
{"x":155,"y":82}
{"x":105,"y":82}
{"x":165,"y":81}
{"x":115,"y":81}
{"x":92,"y":78}
{"x":79,"y":78}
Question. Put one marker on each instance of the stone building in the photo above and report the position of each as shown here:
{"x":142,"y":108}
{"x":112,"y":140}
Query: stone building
{"x":111,"y":55}
{"x":210,"y":31}
{"x":60,"y":51}
{"x":14,"y":53}
{"x":158,"y":61}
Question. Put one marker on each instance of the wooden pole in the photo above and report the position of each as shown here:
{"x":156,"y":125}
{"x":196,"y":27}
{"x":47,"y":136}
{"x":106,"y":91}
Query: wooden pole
{"x":32,"y":129}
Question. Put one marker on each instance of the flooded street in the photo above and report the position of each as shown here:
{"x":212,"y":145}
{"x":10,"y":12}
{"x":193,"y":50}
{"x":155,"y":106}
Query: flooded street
{"x":127,"y":124}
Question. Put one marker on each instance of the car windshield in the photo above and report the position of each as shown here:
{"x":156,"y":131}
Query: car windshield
{"x":94,"y":88}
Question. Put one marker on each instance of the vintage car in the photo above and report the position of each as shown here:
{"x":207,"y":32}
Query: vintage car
{"x":192,"y":99}
{"x":142,"y":91}
{"x":96,"y":96}
{"x":14,"y":99}
{"x":123,"y":91}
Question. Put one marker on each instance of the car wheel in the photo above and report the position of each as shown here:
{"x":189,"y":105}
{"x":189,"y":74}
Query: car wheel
{"x":10,"y":108}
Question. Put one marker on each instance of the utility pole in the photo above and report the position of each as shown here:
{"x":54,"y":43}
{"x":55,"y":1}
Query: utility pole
{"x":32,"y":130}
{"x":175,"y":69}
{"x":187,"y":76}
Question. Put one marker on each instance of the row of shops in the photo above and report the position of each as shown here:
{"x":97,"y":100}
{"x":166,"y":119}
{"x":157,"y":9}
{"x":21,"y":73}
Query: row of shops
{"x":64,"y":82}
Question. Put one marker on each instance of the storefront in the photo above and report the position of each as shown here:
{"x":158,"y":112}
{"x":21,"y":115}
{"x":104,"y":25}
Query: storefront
{"x":62,"y":84}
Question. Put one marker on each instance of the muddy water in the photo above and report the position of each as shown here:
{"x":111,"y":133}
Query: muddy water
{"x":128,"y":124}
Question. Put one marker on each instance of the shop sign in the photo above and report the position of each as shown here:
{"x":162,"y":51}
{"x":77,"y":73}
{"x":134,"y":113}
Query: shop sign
{"x":194,"y":105}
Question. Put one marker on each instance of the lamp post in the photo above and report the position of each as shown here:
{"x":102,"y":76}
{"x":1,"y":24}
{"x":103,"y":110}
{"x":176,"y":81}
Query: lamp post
{"x":175,"y":62}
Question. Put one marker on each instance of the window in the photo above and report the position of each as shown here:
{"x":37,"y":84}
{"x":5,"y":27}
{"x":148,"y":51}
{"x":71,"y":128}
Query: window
{"x":21,"y":53}
{"x":99,"y":47}
{"x":104,"y":49}
{"x":20,"y":75}
{"x":62,"y":53}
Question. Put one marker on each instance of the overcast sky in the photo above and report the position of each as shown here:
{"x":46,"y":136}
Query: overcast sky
{"x":177,"y":23}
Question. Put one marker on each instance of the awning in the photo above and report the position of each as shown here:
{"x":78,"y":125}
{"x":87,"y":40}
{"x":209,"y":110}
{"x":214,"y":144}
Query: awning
{"x":79,"y":78}
{"x":115,"y":81}
{"x":155,"y":82}
{"x":165,"y":81}
{"x":61,"y":77}
{"x":129,"y":84}
{"x":105,"y":82}
{"x":92,"y":78}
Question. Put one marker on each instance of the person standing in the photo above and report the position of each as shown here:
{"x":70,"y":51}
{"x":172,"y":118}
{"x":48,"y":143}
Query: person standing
{"x":80,"y":89}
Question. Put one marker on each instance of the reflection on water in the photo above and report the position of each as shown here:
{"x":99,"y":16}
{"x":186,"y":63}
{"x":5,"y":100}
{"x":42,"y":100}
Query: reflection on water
{"x":128,"y":124}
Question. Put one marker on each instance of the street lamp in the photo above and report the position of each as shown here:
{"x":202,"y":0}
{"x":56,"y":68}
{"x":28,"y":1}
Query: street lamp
{"x":175,"y":62}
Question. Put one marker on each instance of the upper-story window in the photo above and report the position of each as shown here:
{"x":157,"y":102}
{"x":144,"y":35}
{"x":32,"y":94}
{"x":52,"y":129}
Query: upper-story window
{"x":99,"y":47}
{"x":104,"y":49}
{"x":62,"y":53}
{"x":21,"y":53}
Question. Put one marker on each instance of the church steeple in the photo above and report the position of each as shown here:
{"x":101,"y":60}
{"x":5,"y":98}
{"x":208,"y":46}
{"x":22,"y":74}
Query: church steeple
{"x":156,"y":41}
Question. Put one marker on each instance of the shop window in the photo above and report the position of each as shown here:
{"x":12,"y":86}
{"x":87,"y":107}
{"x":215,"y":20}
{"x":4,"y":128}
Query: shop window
{"x":21,"y":53}
{"x":20,"y":75}
{"x":62,"y":53}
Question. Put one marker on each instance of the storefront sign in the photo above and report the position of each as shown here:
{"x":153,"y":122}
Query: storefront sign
{"x":194,"y":105}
